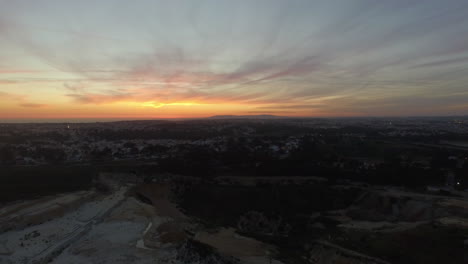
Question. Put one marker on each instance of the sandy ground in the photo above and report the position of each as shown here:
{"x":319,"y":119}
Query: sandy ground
{"x":381,"y":226}
{"x":109,"y":229}
{"x":453,"y":222}
{"x":159,"y":194}
{"x":225,"y":241}
{"x":24,"y":213}
{"x":112,"y":228}
{"x":229,"y":243}
{"x":120,"y":238}
{"x":39,"y":242}
{"x":324,"y":253}
{"x":253,"y":181}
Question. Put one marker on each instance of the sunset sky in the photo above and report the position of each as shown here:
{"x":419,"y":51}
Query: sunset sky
{"x":174,"y":58}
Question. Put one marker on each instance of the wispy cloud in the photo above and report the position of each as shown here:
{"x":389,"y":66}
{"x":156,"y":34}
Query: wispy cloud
{"x":360,"y":57}
{"x":33,"y":105}
{"x":10,"y":96}
{"x":21,"y":100}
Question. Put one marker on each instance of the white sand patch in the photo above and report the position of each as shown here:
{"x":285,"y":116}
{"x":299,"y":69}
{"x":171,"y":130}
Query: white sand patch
{"x":37,"y":242}
{"x":141,"y":243}
{"x":117,"y":238}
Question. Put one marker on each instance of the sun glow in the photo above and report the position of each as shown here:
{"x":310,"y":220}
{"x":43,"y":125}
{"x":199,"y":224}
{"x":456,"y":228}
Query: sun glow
{"x":159,"y":105}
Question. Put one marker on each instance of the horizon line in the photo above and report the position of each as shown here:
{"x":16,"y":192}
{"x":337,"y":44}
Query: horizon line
{"x":214,"y":117}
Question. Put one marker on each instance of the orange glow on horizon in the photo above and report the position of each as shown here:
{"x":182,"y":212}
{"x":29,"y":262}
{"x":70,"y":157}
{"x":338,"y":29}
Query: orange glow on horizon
{"x":159,"y":105}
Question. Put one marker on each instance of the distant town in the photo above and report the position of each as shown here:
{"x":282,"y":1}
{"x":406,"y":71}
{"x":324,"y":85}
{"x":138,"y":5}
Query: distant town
{"x":235,"y":189}
{"x":255,"y":146}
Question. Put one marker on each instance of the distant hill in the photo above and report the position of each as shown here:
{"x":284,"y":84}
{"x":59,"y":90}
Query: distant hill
{"x":245,"y":117}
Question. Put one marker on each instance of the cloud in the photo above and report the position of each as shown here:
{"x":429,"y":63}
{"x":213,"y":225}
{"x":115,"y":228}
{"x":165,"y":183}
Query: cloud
{"x":292,"y":106}
{"x":22,"y":100}
{"x":75,"y":87}
{"x":15,"y":71}
{"x":10,"y":96}
{"x":33,"y":105}
{"x":357,"y":57}
{"x":444,"y":62}
{"x":8,"y":81}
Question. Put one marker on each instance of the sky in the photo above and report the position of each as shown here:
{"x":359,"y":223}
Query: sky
{"x":182,"y":59}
